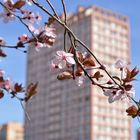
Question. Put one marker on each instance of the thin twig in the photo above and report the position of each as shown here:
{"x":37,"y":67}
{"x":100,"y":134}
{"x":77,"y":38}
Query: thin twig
{"x":65,"y":21}
{"x":51,"y":6}
{"x":26,"y":113}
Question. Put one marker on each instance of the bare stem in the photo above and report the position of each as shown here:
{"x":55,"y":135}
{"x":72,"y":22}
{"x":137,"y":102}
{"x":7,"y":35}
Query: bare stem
{"x":65,"y":21}
{"x":26,"y":113}
{"x":53,"y":9}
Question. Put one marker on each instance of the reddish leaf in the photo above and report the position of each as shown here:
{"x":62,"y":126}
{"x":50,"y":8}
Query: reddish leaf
{"x":128,"y":76}
{"x":97,"y":75}
{"x":50,"y":21}
{"x":79,"y":71}
{"x":80,"y":57}
{"x":18,"y":88}
{"x":89,"y":62}
{"x":1,"y":94}
{"x":132,"y":111}
{"x":131,"y":74}
{"x":134,"y":72}
{"x":31,"y":91}
{"x":2,"y":53}
{"x":19,"y":4}
{"x":64,"y":75}
{"x":1,"y":79}
{"x":127,"y":87}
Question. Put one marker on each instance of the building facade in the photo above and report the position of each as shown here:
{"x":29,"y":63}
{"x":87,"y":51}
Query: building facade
{"x":65,"y":111}
{"x":138,"y":134}
{"x":12,"y":131}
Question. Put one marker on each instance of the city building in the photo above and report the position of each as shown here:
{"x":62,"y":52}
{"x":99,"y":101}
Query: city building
{"x":64,"y":111}
{"x":138,"y":134}
{"x":12,"y":131}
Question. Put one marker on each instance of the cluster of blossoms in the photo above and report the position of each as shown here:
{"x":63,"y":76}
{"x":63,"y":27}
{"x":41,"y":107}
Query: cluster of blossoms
{"x":73,"y":64}
{"x":10,"y":8}
{"x":78,"y":66}
{"x":14,"y":88}
{"x":126,"y":90}
{"x":72,"y":70}
{"x":4,"y":84}
{"x":42,"y":37}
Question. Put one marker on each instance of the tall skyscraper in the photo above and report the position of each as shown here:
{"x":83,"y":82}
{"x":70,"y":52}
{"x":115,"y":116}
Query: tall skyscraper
{"x":64,"y":111}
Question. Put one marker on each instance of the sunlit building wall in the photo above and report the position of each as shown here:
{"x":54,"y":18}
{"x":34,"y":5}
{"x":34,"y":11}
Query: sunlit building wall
{"x":12,"y":131}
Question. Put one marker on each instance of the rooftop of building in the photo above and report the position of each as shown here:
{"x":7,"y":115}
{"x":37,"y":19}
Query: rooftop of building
{"x":89,"y":10}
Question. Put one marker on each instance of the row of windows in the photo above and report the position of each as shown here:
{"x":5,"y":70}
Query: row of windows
{"x":110,"y":24}
{"x":112,"y":41}
{"x":113,"y":29}
{"x":114,"y":131}
{"x":112,"y":56}
{"x":100,"y":137}
{"x":110,"y":121}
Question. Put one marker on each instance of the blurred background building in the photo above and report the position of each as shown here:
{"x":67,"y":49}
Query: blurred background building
{"x":65,"y":111}
{"x":12,"y":131}
{"x":138,"y":134}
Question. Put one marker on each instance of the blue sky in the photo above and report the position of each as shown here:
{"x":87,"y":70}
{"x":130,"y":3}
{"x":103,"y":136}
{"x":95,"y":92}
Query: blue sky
{"x":15,"y":63}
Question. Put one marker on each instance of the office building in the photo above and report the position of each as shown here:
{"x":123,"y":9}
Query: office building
{"x":64,"y":111}
{"x":12,"y":131}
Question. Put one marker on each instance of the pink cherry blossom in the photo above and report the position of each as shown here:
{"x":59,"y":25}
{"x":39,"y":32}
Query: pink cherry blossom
{"x":7,"y":16}
{"x":53,"y":66}
{"x":113,"y":95}
{"x":23,"y":38}
{"x":120,"y":64}
{"x":66,"y":56}
{"x":47,"y":35}
{"x":7,"y":84}
{"x":9,"y":4}
{"x":44,"y":35}
{"x":62,"y":58}
{"x":29,"y":17}
{"x":37,"y":45}
{"x":38,"y":18}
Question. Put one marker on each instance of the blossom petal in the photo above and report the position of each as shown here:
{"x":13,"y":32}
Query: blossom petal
{"x":107,"y":92}
{"x":115,"y":97}
{"x":69,"y":55}
{"x":62,"y":64}
{"x":120,"y":64}
{"x":56,"y":61}
{"x":60,"y":53}
{"x":70,"y":60}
